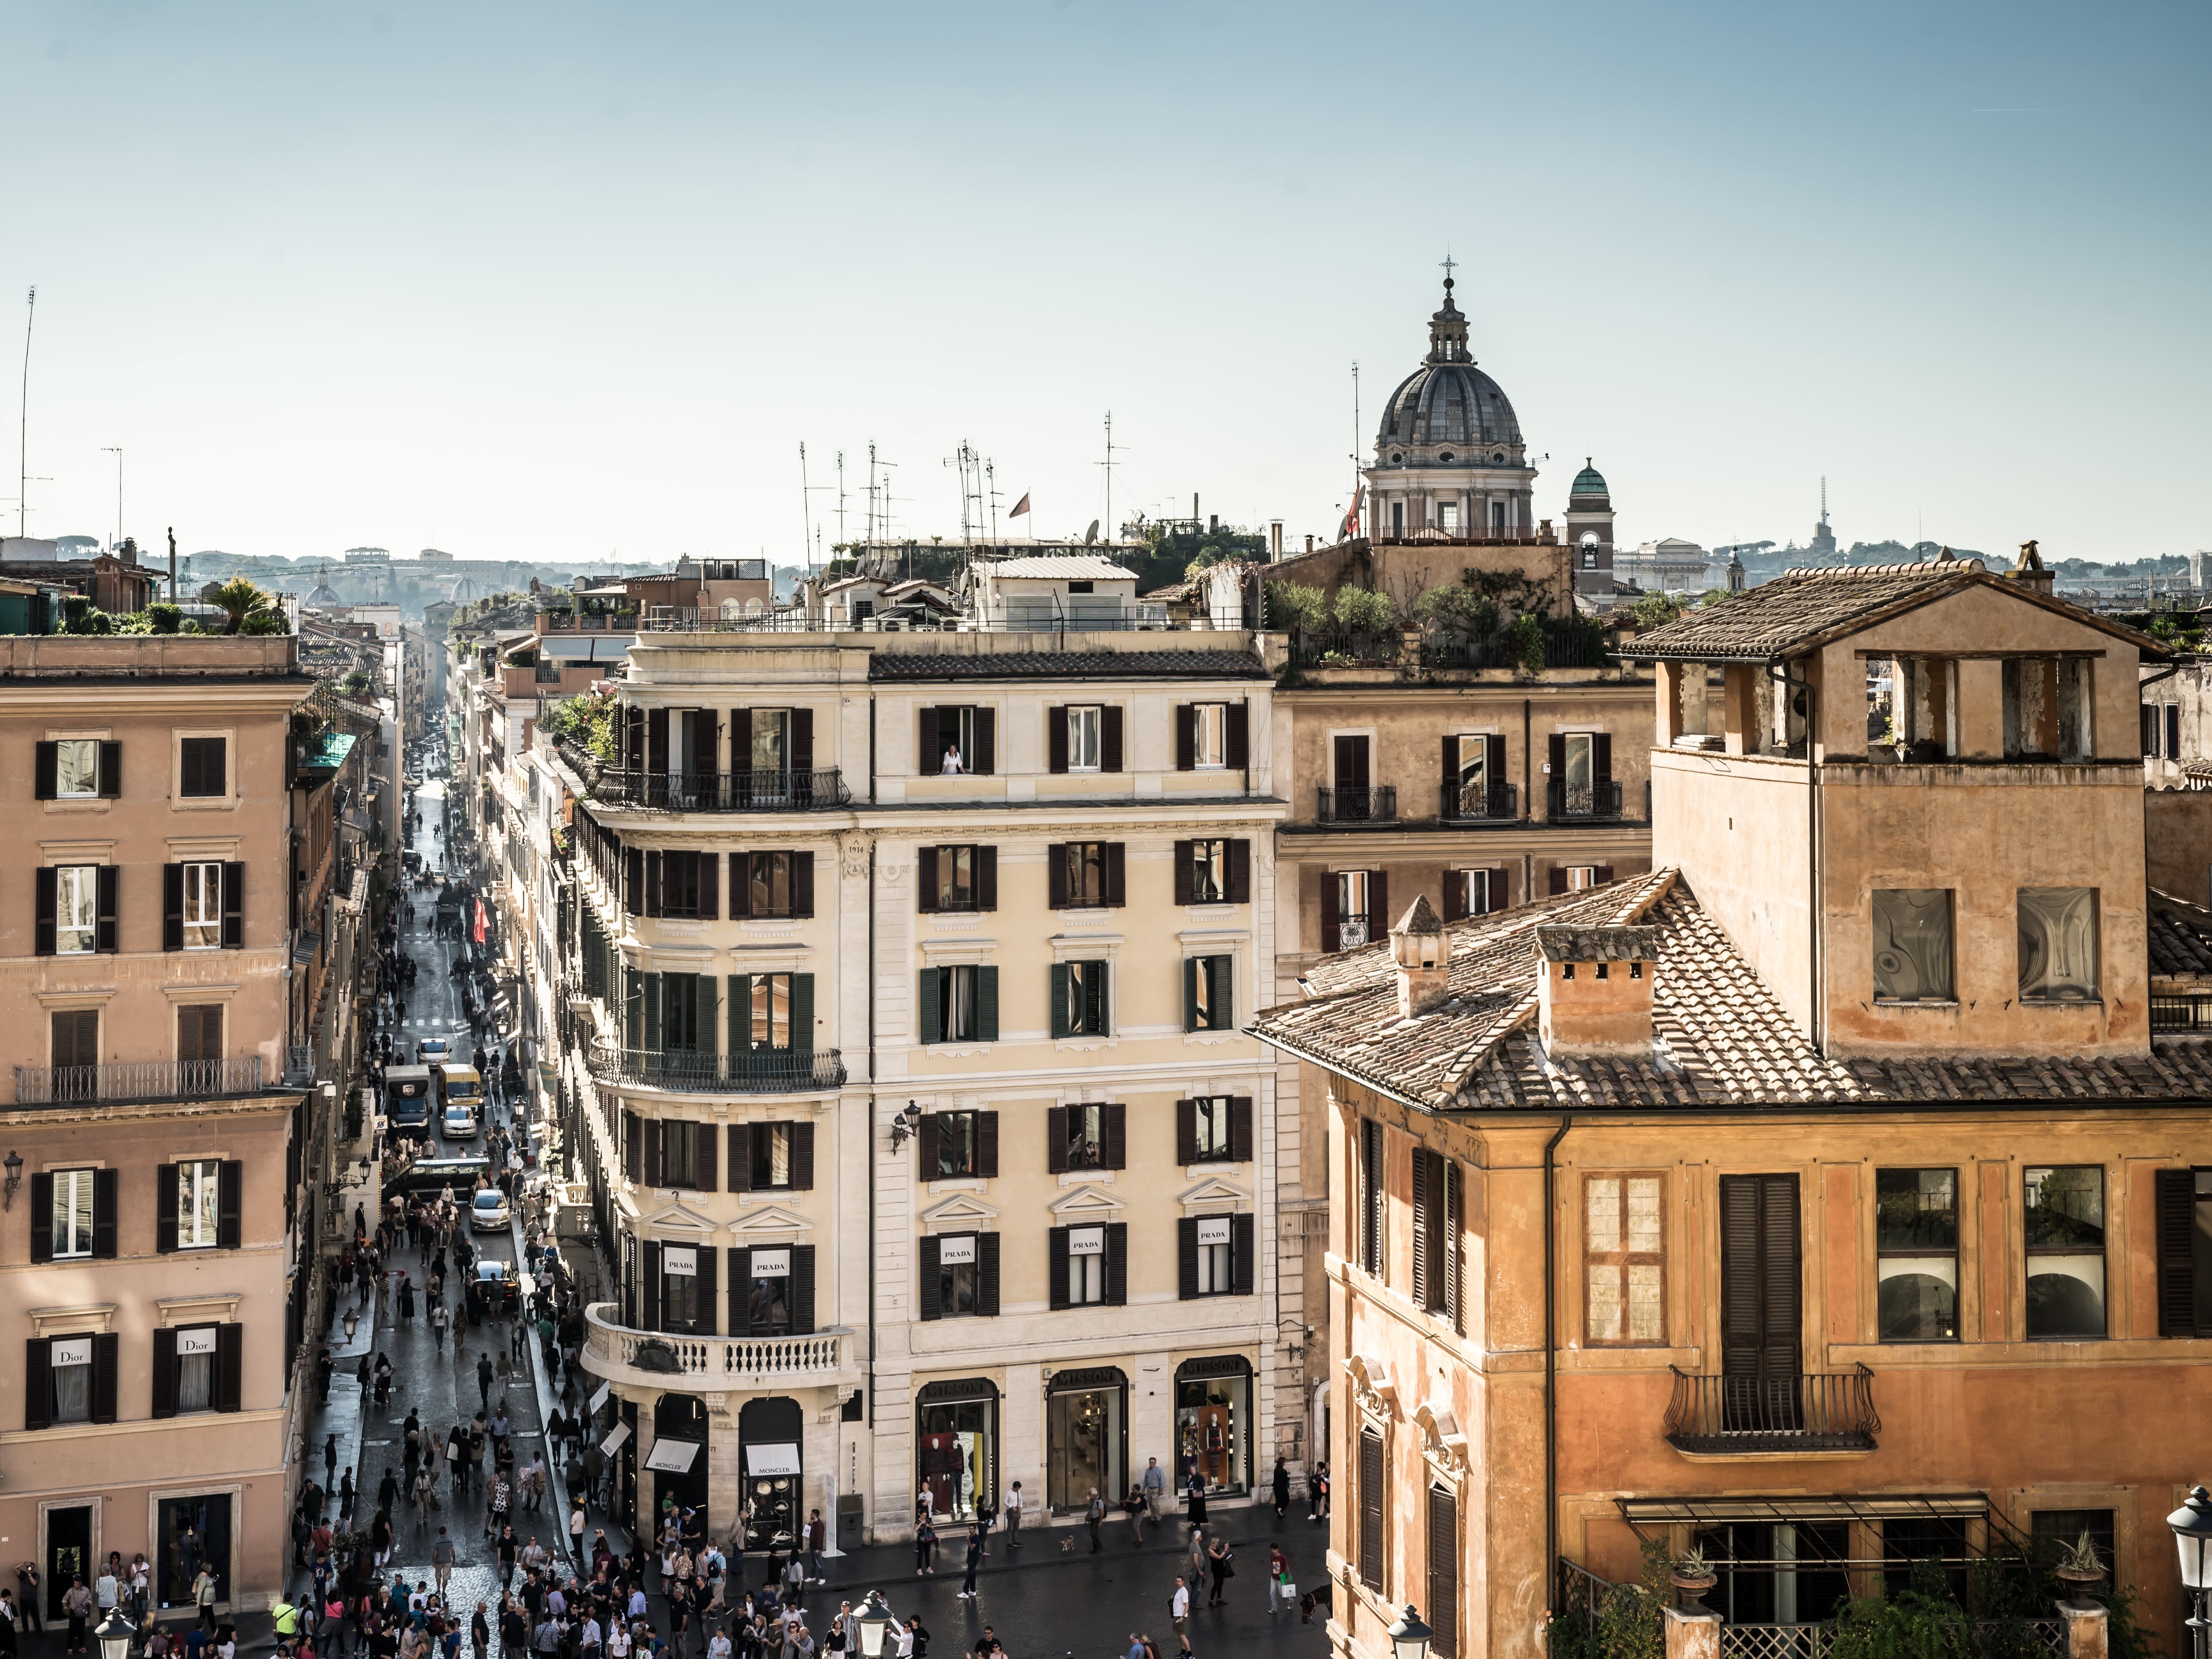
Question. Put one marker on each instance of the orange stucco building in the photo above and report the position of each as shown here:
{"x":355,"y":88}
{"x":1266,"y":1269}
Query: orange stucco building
{"x":1828,"y":1196}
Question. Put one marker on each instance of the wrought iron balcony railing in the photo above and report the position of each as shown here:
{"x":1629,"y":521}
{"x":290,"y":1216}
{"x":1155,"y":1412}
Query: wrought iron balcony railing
{"x":1809,"y":1411}
{"x":770,"y":1072}
{"x":137,"y":1080}
{"x":816,"y":791}
{"x":1479,"y":803}
{"x":1375,"y":806}
{"x":1565,"y":800}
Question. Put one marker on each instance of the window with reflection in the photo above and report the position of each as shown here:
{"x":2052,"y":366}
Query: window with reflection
{"x":2064,"y":1231}
{"x":1912,"y":944}
{"x":1916,"y":1255}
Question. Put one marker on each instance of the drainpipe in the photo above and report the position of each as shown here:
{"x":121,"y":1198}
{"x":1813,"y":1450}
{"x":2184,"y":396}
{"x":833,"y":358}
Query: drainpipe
{"x":1778,"y":671}
{"x":1551,"y":1370}
{"x":1528,"y":737}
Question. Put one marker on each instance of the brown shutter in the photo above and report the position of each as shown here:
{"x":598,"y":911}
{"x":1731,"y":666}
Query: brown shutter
{"x":986,"y":1274}
{"x":1117,"y":884}
{"x":172,"y":906}
{"x":1055,"y":1141}
{"x":929,"y":754}
{"x":656,"y":741}
{"x":987,"y":1145}
{"x":45,"y":772}
{"x":38,"y":1382}
{"x":1330,"y":939}
{"x":46,"y":883}
{"x":1761,"y":1277}
{"x":1450,"y":773}
{"x":2176,"y":1259}
{"x":802,"y":742}
{"x":110,"y":882}
{"x":164,"y":1372}
{"x":1455,"y":1256}
{"x":633,"y":887}
{"x":741,"y":1157}
{"x":1183,"y":885}
{"x":634,"y":1148}
{"x":1117,"y":1263}
{"x":925,"y":866}
{"x":802,"y":1157}
{"x":1240,"y":1128}
{"x":1055,"y":874}
{"x":229,"y":1367}
{"x":42,"y":1218}
{"x":1557,"y":878}
{"x":1243,"y":1253}
{"x":1371,"y":1481}
{"x":1056,"y":1266}
{"x":1115,"y":1123}
{"x":1378,"y":905}
{"x":1055,"y":739}
{"x":233,"y":905}
{"x":741,"y":1291}
{"x":1555,"y":754}
{"x":707,"y":1144}
{"x":1443,"y":1573}
{"x":1424,"y":1219}
{"x":1186,"y":1258}
{"x":1240,"y":871}
{"x":802,"y":1290}
{"x":105,"y":1190}
{"x":654,"y":1168}
{"x":986,"y":878}
{"x":987,"y":742}
{"x":106,"y":1353}
{"x":1238,"y":725}
{"x":931,"y":1301}
{"x":656,"y":881}
{"x":702,"y":743}
{"x":1493,"y":770}
{"x":1109,"y":739}
{"x":741,"y":743}
{"x":802,"y":883}
{"x":927,"y":1135}
{"x":710,"y":886}
{"x":741,"y":885}
{"x":1186,"y":737}
{"x":1497,"y":899}
{"x":165,"y":1208}
{"x":649,"y":1284}
{"x":1601,"y":757}
{"x":230,"y":1204}
{"x":1186,"y":1131}
{"x":1456,"y":892}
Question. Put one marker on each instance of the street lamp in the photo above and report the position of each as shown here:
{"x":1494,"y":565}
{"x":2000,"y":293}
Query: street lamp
{"x":875,"y":1618}
{"x":2192,"y":1537}
{"x":352,"y":1319}
{"x":114,"y":1634}
{"x":1409,"y":1636}
{"x":13,"y":1165}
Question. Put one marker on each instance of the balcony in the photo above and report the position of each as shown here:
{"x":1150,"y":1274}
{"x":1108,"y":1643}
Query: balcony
{"x":1479,"y":803}
{"x":1574,"y":803}
{"x":1377,"y":805}
{"x":774,"y":1072}
{"x":1773,"y":1416}
{"x":821,"y":790}
{"x":660,"y":1360}
{"x":131,"y":1082}
{"x":2185,"y":1014}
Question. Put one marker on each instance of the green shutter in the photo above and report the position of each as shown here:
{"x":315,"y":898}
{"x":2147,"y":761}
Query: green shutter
{"x":703,"y":1016}
{"x":653,"y":1030}
{"x":1059,"y":979}
{"x":633,"y":1008}
{"x":1095,"y":1000}
{"x":1190,"y":993}
{"x":741,"y":1007}
{"x":1224,"y":1015}
{"x":986,"y":1005}
{"x":802,"y":1013}
{"x":932,"y":1022}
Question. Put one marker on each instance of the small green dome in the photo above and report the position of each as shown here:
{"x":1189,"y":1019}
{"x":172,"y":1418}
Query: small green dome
{"x":1588,"y":482}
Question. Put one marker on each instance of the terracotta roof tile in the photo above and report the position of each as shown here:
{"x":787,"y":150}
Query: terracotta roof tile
{"x":1067,"y":665}
{"x":1795,"y":607}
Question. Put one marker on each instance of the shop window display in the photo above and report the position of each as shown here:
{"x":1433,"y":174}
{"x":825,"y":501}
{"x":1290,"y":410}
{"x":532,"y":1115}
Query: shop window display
{"x":955,"y":1451}
{"x":1213,"y":1413}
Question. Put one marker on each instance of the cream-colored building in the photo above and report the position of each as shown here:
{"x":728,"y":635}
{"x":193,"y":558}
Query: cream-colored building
{"x":910,"y":1089}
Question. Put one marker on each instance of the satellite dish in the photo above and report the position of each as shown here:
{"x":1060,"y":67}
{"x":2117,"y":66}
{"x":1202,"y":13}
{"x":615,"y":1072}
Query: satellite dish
{"x":1091,"y":534}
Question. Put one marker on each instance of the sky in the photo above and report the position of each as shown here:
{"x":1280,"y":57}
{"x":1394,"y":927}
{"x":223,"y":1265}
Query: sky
{"x":556,"y":281}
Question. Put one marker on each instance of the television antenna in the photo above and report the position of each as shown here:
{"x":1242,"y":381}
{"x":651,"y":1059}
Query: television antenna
{"x":23,"y":425}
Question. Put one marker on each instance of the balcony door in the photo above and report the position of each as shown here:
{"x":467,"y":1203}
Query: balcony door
{"x":1351,"y":779}
{"x":1762,"y":1301}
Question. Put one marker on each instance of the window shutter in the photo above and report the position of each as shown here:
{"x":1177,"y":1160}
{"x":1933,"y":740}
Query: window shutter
{"x":802,"y":883}
{"x":1240,"y":873}
{"x":1601,"y":757}
{"x":655,"y":1161}
{"x":1761,"y":1276}
{"x":1240,"y":1128}
{"x":741,"y":1020}
{"x":986,"y":1005}
{"x":706,"y":1259}
{"x":987,"y":1145}
{"x":2150,"y":719}
{"x":1443,"y":1572}
{"x":802,"y":1290}
{"x":2177,"y":1260}
{"x":229,"y":1367}
{"x":1117,"y":881}
{"x":105,"y":1353}
{"x":802,"y":740}
{"x":1186,"y":737}
{"x":649,"y":1285}
{"x":927,"y":1135}
{"x":42,"y":1218}
{"x":1451,"y":762}
{"x":1371,"y":1508}
{"x":1055,"y":739}
{"x":1055,"y":1147}
{"x":44,"y":881}
{"x":633,"y":887}
{"x":1493,"y":770}
{"x":1496,"y":883}
{"x":656,"y":1029}
{"x":634,"y":1148}
{"x":741,"y":885}
{"x":709,"y":1171}
{"x":656,"y":880}
{"x":656,"y":741}
{"x":933,"y":1021}
{"x":1222,"y":971}
{"x":1055,"y":1268}
{"x":710,"y":886}
{"x":1115,"y":1117}
{"x":925,"y":875}
{"x":1378,"y":905}
{"x":741,"y":1157}
{"x":110,"y":771}
{"x":165,"y":1208}
{"x":2173,"y":729}
{"x":1190,"y":973}
{"x":1555,"y":754}
{"x":1239,"y":730}
{"x":802,"y":1157}
{"x":987,"y":742}
{"x":234,"y":906}
{"x":741,"y":1291}
{"x":1117,"y":1263}
{"x":929,"y":754}
{"x":1455,"y":882}
{"x":931,"y":1300}
{"x":172,"y":906}
{"x":1055,"y":875}
{"x":38,"y":1381}
{"x":986,"y":878}
{"x":229,"y":1224}
{"x":1424,"y":1220}
{"x":45,"y":772}
{"x":1109,"y":739}
{"x":1557,"y":878}
{"x":1183,"y":885}
{"x":1456,"y":1251}
{"x":986,"y":1275}
{"x":164,"y":1372}
{"x":1243,"y":1232}
{"x":1186,"y":1258}
{"x":1186,"y":1131}
{"x":1060,"y":984}
{"x":110,"y":882}
{"x":105,"y":1190}
{"x":1601,"y":873}
{"x":741,"y":743}
{"x":802,"y":1013}
{"x":632,"y":748}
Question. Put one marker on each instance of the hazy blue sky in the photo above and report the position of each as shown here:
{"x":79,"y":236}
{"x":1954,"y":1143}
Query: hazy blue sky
{"x":556,"y":280}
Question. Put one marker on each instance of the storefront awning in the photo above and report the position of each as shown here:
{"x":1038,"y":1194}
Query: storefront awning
{"x":672,"y":1457}
{"x":1713,"y":1510}
{"x":775,"y":1457}
{"x":615,"y":1436}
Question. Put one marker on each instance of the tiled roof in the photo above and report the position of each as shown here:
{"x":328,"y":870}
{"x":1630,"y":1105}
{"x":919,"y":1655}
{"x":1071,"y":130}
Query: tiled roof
{"x":1067,"y":666}
{"x":1062,"y":567}
{"x":1797,"y":608}
{"x":1721,"y":1037}
{"x":2180,"y":939}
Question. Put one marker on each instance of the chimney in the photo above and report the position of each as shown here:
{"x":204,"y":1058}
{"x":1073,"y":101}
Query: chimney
{"x":1274,"y":540}
{"x":2030,"y":572}
{"x":1423,"y":954}
{"x":1594,"y":993}
{"x":1212,"y":522}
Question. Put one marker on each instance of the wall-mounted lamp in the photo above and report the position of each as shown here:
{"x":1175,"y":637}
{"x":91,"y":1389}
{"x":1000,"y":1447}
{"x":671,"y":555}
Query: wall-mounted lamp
{"x":904,"y":1125}
{"x":13,"y":1165}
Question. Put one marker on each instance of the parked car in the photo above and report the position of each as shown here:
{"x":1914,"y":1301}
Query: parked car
{"x":489,"y":1213}
{"x":496,"y":1292}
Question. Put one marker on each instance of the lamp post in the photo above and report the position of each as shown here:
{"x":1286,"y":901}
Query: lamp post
{"x":875,"y":1617}
{"x":113,"y":1633}
{"x":352,"y":1319}
{"x":13,"y":1165}
{"x":2192,"y":1537}
{"x":1409,"y":1636}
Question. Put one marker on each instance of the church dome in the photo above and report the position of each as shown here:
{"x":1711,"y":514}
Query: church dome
{"x":1449,"y":403}
{"x":1589,"y":482}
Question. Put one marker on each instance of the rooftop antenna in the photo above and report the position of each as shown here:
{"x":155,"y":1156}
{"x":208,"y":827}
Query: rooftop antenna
{"x":1109,"y":465}
{"x":805,"y":515}
{"x":1355,"y":436}
{"x":23,"y":424}
{"x":991,"y":476}
{"x":116,"y":450}
{"x":840,"y":498}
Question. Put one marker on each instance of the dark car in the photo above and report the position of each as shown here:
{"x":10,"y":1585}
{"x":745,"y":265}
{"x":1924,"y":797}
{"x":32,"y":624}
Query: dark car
{"x":494,"y":1292}
{"x":432,"y":1176}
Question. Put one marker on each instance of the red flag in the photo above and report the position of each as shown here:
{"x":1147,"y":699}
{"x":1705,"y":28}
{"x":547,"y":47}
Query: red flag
{"x":1352,"y":519}
{"x":480,"y":921}
{"x":1020,"y":507}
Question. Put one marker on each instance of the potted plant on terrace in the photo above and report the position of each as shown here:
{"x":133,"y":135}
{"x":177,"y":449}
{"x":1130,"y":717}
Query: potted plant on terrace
{"x":2080,"y":1566}
{"x":1693,"y":1575}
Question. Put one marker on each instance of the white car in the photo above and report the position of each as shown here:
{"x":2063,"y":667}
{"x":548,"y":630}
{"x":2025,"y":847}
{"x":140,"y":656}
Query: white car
{"x":489,"y":1214}
{"x":429,"y":1051}
{"x":459,"y":1122}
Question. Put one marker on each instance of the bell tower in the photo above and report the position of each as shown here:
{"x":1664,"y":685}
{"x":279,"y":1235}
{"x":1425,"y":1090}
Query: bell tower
{"x":1589,"y":532}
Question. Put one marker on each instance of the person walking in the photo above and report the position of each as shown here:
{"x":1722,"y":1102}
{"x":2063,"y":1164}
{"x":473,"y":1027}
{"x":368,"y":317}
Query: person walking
{"x":1179,"y":1610}
{"x":1198,"y":1557}
{"x":1156,"y":1487}
{"x":1195,"y":1496}
{"x":484,"y":1380}
{"x":1094,"y":1516}
{"x":442,"y":1556}
{"x":203,"y":1594}
{"x":975,"y":1563}
{"x":1282,"y":1487}
{"x":1014,"y":1516}
{"x":1280,"y":1585}
{"x":1317,"y":1489}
